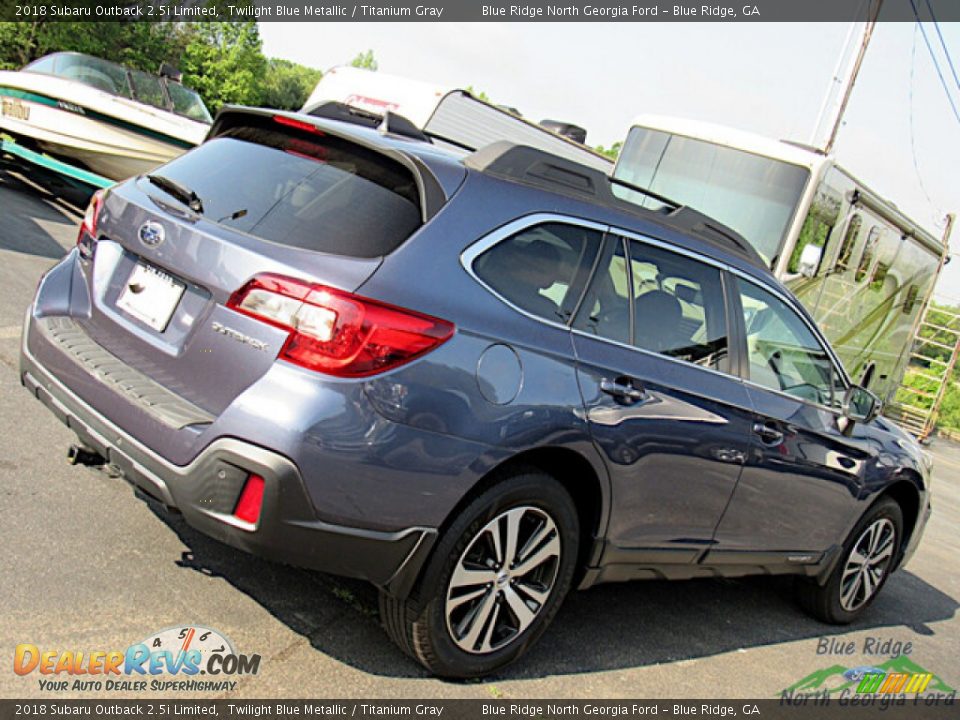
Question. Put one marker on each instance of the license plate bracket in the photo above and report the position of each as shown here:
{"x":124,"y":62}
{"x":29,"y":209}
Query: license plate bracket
{"x":151,"y":296}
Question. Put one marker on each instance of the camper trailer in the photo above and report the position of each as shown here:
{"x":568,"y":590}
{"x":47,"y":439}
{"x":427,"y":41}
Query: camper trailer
{"x":450,"y":117}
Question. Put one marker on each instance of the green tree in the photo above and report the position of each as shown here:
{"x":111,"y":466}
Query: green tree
{"x":223,"y":61}
{"x":287,"y":85}
{"x":365,"y":61}
{"x":140,"y":45}
{"x":478,"y":94}
{"x":612,"y":152}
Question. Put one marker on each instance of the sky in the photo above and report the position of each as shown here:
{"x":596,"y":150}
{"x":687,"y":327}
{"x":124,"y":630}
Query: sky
{"x":900,"y":135}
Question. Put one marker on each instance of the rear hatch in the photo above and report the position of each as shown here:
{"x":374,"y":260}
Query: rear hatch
{"x":267,"y":193}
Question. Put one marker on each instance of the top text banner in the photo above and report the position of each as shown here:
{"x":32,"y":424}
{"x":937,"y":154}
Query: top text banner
{"x":479,"y":10}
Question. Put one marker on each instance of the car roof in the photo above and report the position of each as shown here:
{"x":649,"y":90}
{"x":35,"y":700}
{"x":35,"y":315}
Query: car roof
{"x":589,"y":191}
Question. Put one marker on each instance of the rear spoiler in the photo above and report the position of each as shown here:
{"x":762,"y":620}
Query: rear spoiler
{"x":432,"y":195}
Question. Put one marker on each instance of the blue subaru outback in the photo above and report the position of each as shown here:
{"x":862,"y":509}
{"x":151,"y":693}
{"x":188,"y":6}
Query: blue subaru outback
{"x":476,"y":382}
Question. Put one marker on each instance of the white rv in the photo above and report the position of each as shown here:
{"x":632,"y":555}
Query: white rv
{"x":862,"y":268}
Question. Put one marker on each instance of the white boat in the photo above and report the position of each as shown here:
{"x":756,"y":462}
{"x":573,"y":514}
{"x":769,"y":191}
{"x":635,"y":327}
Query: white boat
{"x":116,"y":121}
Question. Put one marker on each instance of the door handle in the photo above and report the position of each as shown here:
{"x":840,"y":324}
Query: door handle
{"x":769,"y":434}
{"x":624,"y":389}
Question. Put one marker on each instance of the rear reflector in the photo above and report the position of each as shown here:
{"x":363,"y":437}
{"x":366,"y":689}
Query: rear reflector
{"x":87,"y":235}
{"x":336,"y":332}
{"x":251,"y":500}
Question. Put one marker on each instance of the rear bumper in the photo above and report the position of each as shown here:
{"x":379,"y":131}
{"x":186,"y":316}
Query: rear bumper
{"x":206,"y":491}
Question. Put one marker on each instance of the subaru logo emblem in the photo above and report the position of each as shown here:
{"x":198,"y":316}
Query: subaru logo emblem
{"x":152,"y":234}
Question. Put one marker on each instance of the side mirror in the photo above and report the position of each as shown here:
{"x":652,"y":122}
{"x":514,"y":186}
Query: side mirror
{"x":860,"y":405}
{"x":809,"y":260}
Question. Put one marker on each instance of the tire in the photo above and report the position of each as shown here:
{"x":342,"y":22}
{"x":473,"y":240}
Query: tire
{"x":465,"y":619}
{"x":850,"y":590}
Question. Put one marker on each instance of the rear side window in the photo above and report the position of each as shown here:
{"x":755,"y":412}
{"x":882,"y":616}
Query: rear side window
{"x":303,"y":190}
{"x":542,"y":269}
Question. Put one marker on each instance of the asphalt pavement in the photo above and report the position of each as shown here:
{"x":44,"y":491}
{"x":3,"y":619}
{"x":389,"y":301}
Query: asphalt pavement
{"x":89,"y":566}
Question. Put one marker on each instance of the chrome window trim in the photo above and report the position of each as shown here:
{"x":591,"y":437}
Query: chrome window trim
{"x":473,"y":251}
{"x":670,"y":247}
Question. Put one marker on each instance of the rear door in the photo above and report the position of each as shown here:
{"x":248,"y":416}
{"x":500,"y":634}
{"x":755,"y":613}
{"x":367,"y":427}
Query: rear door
{"x":671,"y":422}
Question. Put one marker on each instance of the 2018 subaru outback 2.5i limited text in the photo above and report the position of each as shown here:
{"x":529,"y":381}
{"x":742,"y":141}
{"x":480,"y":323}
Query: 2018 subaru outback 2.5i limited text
{"x":473,"y":382}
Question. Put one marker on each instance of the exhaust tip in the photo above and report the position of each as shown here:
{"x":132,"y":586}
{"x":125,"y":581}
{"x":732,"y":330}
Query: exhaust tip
{"x":77,"y":455}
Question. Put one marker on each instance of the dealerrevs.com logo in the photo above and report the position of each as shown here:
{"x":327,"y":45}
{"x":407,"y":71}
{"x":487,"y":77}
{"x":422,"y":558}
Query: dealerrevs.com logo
{"x":177,"y":659}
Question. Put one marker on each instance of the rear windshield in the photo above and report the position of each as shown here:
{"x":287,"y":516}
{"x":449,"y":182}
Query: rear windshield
{"x":303,"y":190}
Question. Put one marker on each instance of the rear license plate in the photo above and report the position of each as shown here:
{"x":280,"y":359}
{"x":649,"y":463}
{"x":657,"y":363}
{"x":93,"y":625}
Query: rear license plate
{"x":151,"y":296}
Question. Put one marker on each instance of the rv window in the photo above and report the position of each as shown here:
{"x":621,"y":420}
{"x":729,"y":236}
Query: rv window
{"x":879,"y":275}
{"x":824,"y":211}
{"x":912,"y":292}
{"x":849,"y":241}
{"x":869,"y":251}
{"x":754,"y":195}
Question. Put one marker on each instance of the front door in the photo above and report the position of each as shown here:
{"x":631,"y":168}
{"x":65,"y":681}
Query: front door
{"x":798,"y":492}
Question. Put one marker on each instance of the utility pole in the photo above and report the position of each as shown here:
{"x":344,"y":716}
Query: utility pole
{"x":867,"y":34}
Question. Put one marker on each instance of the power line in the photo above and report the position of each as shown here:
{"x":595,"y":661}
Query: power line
{"x":943,"y":44}
{"x":913,"y":142}
{"x":936,"y":65}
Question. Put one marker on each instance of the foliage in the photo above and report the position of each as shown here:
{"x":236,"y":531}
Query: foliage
{"x":223,"y":61}
{"x":478,"y":94}
{"x":612,"y":152}
{"x":920,"y":375}
{"x":287,"y":85}
{"x":365,"y":61}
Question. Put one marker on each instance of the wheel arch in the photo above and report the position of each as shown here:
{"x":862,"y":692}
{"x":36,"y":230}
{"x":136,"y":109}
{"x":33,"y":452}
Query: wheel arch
{"x":906,"y":494}
{"x":579,"y":476}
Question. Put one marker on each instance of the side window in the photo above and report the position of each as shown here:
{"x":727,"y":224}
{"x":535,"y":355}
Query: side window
{"x":675,"y":304}
{"x":849,"y":242}
{"x":605,"y":310}
{"x":783,"y":353}
{"x":869,"y":251}
{"x":541,"y":269}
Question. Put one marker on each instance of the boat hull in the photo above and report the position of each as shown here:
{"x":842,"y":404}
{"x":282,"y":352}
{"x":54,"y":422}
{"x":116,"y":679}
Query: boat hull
{"x":111,"y":136}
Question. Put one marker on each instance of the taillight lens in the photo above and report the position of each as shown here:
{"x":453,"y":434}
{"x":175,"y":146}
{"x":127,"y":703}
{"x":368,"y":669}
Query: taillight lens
{"x":336,"y":332}
{"x":87,"y":235}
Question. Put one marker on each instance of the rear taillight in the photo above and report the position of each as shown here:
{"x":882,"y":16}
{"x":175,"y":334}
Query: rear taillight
{"x":336,"y":332}
{"x":88,"y":226}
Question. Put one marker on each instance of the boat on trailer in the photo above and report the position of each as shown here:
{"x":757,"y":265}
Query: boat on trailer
{"x":116,"y":121}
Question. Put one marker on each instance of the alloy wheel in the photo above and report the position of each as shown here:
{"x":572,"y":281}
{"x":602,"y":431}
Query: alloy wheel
{"x":868,"y":562}
{"x":503,"y":579}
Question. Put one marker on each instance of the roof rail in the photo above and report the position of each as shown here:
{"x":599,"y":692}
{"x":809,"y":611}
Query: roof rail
{"x":538,"y":168}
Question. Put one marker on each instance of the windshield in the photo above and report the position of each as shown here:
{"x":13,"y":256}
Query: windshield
{"x":115,"y":79}
{"x":754,"y":195}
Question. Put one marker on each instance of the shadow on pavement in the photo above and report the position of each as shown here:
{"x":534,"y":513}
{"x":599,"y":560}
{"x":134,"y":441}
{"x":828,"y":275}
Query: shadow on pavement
{"x":605,"y":628}
{"x":34,"y":200}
